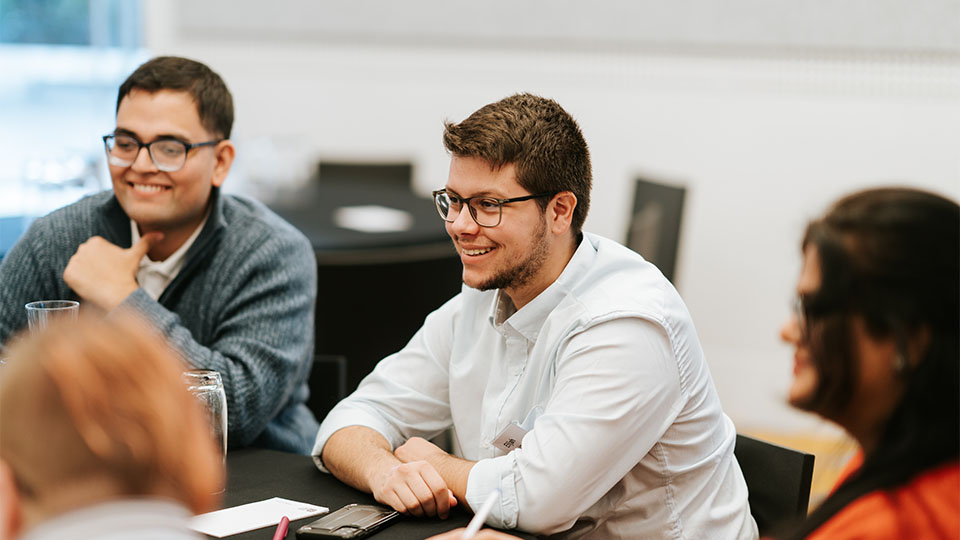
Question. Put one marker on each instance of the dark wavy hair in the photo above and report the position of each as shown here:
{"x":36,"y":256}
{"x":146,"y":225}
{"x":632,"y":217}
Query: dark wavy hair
{"x":890,"y":256}
{"x":539,"y":137}
{"x":209,"y":92}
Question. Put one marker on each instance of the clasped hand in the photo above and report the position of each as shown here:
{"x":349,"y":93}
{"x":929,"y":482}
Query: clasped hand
{"x":415,"y":486}
{"x":104,"y":274}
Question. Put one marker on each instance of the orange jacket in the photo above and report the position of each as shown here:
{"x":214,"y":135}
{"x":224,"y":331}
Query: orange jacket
{"x":926,"y":508}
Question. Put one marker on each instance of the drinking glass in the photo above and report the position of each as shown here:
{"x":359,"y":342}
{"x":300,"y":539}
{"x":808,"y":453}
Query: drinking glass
{"x":43,"y":312}
{"x":207,"y":386}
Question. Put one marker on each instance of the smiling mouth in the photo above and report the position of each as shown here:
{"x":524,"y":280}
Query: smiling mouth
{"x":148,"y":188}
{"x":475,"y":252}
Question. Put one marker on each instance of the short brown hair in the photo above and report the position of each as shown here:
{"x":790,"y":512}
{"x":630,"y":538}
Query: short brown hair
{"x":103,"y":401}
{"x":213,"y":99}
{"x":536,"y":135}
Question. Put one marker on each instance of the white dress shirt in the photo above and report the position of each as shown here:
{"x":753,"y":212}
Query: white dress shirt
{"x":143,"y":519}
{"x":154,"y":276}
{"x":625,"y":434}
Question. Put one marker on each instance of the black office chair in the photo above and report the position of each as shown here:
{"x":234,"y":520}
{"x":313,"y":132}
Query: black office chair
{"x":374,"y":288}
{"x":655,"y":224}
{"x":328,"y":383}
{"x":371,"y":302}
{"x":778,"y":481}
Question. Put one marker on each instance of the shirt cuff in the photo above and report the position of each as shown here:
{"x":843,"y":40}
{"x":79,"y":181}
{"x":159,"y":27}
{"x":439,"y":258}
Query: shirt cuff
{"x":488,"y":475}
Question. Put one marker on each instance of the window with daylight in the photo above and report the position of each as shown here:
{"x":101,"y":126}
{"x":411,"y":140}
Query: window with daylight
{"x":62,"y":61}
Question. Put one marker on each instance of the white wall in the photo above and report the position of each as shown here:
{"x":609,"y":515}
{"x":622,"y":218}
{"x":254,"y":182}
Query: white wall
{"x":763,"y":138}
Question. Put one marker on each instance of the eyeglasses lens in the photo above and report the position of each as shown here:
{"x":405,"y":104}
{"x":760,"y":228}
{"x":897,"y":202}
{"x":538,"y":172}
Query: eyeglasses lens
{"x":168,"y":155}
{"x":484,"y":211}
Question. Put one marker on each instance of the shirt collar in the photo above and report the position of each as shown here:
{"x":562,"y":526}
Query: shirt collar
{"x":528,"y":320}
{"x":169,"y":266}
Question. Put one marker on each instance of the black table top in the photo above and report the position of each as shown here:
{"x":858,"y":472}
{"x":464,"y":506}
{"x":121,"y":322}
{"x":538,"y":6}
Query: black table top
{"x":314,"y":208}
{"x":257,"y":474}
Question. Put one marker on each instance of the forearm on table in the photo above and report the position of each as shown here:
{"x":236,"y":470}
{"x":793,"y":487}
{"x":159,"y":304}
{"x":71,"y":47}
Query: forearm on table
{"x":357,"y":455}
{"x":455,"y":472}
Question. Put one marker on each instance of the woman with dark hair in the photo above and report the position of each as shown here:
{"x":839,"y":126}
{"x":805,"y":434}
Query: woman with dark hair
{"x":876,"y":338}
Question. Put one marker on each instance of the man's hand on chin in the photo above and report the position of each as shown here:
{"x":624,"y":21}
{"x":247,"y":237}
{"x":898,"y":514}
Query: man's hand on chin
{"x":104,"y":274}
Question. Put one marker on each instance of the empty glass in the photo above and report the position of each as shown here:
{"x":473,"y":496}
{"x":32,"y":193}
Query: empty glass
{"x":43,"y":312}
{"x":207,"y":386}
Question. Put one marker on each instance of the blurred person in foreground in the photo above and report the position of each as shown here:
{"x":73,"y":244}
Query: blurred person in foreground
{"x":568,"y":369}
{"x":99,"y":437}
{"x":876,"y":338}
{"x":227,"y":281}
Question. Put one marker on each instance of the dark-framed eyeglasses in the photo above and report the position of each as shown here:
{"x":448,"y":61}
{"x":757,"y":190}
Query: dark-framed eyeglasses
{"x":485,"y":211}
{"x":801,"y":310}
{"x":167,"y":154}
{"x":816,"y":307}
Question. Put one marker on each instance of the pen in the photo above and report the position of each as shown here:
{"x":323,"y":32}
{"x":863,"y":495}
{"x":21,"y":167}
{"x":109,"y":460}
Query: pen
{"x":281,"y":528}
{"x":481,"y":516}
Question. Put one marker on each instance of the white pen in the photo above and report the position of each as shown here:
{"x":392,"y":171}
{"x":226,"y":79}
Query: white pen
{"x":481,"y":516}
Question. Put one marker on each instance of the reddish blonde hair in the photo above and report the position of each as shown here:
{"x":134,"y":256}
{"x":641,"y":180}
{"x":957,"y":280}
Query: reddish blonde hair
{"x":103,"y":399}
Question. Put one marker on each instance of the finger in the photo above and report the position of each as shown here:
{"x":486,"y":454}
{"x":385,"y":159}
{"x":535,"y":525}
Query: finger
{"x":409,"y":500}
{"x":424,"y":497}
{"x":145,"y":244}
{"x":394,"y":492}
{"x":91,"y":244}
{"x":438,"y":496}
{"x":391,"y":499}
{"x":429,"y":488}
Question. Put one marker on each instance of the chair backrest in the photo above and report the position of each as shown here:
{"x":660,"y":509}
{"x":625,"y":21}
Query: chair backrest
{"x":369,"y":309}
{"x":778,"y":481}
{"x":328,"y":383}
{"x":655,"y":224}
{"x":376,"y":285}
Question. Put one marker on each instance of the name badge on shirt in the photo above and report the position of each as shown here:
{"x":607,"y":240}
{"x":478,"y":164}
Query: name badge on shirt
{"x":510,"y":438}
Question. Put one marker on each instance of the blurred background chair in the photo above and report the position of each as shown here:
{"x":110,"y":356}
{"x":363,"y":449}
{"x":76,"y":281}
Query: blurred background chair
{"x":384,"y":261}
{"x":371,"y":304}
{"x":328,"y":383}
{"x":655,"y":223}
{"x":778,"y":481}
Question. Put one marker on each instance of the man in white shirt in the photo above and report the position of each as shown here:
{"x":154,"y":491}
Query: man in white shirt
{"x":568,"y":367}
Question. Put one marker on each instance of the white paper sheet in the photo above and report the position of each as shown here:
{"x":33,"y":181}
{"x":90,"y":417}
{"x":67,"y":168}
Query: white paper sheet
{"x":255,"y":515}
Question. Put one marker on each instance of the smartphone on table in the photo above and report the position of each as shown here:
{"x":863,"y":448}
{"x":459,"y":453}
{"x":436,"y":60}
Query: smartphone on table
{"x":352,"y":521}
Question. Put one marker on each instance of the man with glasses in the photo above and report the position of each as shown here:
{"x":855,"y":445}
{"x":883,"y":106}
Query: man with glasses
{"x":228,"y":282}
{"x":567,"y":373}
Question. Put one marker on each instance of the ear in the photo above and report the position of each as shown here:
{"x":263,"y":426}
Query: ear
{"x":560,"y":212}
{"x":11,"y":510}
{"x":224,"y":154}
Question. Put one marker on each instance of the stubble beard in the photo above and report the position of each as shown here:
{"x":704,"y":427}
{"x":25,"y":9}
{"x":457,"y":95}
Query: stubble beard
{"x":523,"y":271}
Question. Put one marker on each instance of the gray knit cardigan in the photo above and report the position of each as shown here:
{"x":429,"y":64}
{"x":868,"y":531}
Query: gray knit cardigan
{"x":242,"y":304}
